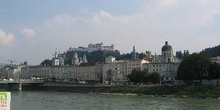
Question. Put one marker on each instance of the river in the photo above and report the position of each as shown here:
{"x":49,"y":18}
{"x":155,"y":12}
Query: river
{"x":50,"y":100}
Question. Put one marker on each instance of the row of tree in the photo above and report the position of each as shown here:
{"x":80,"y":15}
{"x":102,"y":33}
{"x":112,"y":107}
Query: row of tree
{"x":139,"y":76}
{"x":181,"y":55}
{"x":197,"y":67}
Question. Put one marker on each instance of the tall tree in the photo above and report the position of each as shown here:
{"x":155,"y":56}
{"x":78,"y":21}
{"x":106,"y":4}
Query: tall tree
{"x":179,"y":54}
{"x":194,"y":67}
{"x":214,"y":71}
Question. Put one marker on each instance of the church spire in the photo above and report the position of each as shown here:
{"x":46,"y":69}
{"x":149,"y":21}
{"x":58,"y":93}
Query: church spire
{"x":134,"y":56}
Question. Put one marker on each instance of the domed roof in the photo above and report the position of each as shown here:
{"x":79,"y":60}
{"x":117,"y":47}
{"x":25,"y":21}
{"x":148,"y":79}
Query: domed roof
{"x":61,"y":59}
{"x":167,"y":47}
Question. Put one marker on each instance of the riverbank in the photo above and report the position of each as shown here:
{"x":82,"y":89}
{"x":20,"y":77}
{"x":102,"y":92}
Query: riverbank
{"x":169,"y":91}
{"x":164,"y":91}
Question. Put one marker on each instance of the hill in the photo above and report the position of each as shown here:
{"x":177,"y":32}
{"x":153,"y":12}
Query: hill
{"x":94,"y":57}
{"x":212,"y":51}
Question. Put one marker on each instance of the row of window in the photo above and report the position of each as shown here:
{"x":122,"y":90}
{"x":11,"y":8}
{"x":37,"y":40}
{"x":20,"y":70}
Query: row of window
{"x":160,"y":65}
{"x":158,"y":70}
{"x":168,"y":74}
{"x":134,"y":64}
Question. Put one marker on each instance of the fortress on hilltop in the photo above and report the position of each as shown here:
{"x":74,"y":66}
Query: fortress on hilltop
{"x":93,"y":47}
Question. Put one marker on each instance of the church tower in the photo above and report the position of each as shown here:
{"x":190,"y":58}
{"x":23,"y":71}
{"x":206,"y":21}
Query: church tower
{"x":167,"y":53}
{"x":55,"y":60}
{"x":84,"y":60}
{"x":75,"y":60}
{"x":134,"y":55}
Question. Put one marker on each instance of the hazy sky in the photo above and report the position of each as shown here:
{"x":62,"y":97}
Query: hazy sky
{"x":31,"y":30}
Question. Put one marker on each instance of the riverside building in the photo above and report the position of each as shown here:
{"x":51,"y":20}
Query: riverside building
{"x":110,"y":71}
{"x":79,"y":71}
{"x":116,"y":71}
{"x":165,"y":64}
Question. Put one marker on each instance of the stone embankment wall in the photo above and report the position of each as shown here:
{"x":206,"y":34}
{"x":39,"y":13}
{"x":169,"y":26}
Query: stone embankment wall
{"x":65,"y":88}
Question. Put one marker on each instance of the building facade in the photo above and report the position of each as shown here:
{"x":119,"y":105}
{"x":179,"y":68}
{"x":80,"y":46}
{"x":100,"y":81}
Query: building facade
{"x":86,"y":73}
{"x":46,"y":72}
{"x":165,"y":64}
{"x":111,"y":71}
{"x":117,"y":71}
{"x":94,"y":47}
{"x":60,"y":73}
{"x":10,"y":72}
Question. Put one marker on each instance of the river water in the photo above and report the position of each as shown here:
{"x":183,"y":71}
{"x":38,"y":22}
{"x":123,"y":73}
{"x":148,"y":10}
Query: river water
{"x":49,"y":100}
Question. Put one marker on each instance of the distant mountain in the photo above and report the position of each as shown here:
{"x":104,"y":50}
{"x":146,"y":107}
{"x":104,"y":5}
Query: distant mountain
{"x":212,"y":51}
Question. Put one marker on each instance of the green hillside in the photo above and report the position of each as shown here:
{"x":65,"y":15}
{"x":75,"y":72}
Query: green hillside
{"x":212,"y":51}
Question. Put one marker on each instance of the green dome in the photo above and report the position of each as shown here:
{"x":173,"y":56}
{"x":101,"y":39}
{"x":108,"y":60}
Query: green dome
{"x":61,"y":60}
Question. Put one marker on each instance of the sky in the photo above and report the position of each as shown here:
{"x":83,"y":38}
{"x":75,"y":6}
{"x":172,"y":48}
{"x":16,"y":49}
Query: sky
{"x":32,"y":30}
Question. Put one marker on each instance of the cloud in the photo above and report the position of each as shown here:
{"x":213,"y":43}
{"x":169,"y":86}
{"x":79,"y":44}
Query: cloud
{"x":179,"y":22}
{"x":186,"y":24}
{"x":60,"y":20}
{"x":6,"y":38}
{"x":28,"y":33}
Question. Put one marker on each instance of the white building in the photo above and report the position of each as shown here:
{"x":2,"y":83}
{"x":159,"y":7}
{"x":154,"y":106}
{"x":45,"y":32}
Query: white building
{"x":47,"y":72}
{"x":117,"y":71}
{"x":10,"y":72}
{"x":166,"y":64}
{"x":77,"y":61}
{"x":57,"y":60}
{"x":94,"y":47}
{"x":86,"y":73}
{"x":215,"y":59}
{"x":114,"y":71}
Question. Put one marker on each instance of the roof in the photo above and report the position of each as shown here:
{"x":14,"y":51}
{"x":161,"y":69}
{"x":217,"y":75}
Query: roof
{"x":166,"y":47}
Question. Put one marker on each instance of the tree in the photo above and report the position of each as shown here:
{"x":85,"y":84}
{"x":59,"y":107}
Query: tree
{"x":138,"y":76}
{"x":179,"y":54}
{"x":46,"y":62}
{"x":95,"y":56}
{"x":214,"y":71}
{"x":154,"y":77}
{"x":194,"y":67}
{"x":212,"y":52}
